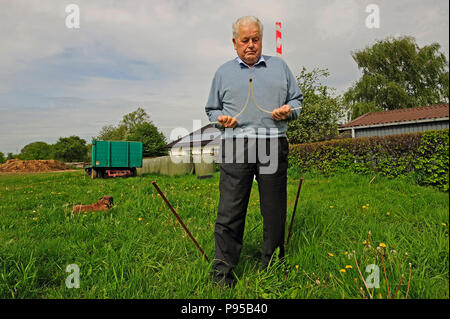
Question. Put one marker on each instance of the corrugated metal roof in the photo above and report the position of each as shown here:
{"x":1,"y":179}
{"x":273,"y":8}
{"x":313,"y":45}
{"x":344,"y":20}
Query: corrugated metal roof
{"x":435,"y":111}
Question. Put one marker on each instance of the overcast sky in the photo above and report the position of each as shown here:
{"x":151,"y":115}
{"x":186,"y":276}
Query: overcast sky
{"x":162,"y":55}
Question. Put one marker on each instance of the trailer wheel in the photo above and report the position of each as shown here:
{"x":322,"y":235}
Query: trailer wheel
{"x":133,"y":172}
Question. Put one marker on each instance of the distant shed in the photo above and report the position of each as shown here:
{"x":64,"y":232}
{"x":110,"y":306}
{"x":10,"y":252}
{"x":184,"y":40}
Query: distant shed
{"x":205,"y":140}
{"x":400,"y":121}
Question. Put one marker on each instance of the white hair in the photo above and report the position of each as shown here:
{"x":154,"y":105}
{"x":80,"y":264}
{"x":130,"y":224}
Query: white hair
{"x":244,"y":21}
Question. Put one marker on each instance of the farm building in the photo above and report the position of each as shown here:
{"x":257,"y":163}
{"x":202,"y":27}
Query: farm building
{"x":409,"y":120}
{"x":205,"y":140}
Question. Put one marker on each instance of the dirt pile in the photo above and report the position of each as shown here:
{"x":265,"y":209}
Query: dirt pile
{"x":20,"y":166}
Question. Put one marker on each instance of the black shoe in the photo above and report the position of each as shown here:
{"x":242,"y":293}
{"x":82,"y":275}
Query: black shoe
{"x":225,"y":281}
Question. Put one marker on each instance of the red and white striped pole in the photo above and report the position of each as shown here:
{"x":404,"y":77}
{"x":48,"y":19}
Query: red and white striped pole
{"x":278,"y":38}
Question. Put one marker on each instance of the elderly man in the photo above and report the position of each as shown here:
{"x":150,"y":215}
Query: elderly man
{"x":251,"y":98}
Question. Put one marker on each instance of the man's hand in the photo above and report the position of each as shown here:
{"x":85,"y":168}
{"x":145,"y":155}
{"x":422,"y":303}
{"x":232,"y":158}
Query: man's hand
{"x":281,"y":113}
{"x":227,"y":121}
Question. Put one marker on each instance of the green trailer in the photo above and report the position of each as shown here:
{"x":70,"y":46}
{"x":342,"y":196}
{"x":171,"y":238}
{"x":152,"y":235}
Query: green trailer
{"x":114,"y":159}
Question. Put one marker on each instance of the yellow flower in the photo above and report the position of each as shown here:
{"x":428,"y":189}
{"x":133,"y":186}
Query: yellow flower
{"x":388,"y":213}
{"x":342,"y":270}
{"x":296,"y":267}
{"x":348,"y":267}
{"x":140,"y":218}
{"x":330,"y":254}
{"x":346,"y":253}
{"x":331,"y":206}
{"x":444,"y":224}
{"x":383,"y":245}
{"x":365,"y":242}
{"x":35,"y":218}
{"x":364,"y":206}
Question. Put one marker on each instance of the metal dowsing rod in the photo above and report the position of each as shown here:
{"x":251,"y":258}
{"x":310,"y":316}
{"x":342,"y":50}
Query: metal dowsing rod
{"x":252,"y":93}
{"x":295,"y":208}
{"x":180,"y":221}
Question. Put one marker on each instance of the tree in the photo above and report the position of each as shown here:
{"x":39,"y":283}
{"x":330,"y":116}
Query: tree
{"x":36,"y":151}
{"x":70,"y":149}
{"x":2,"y":158}
{"x":136,"y":126}
{"x":154,"y":142}
{"x":321,"y":110}
{"x":134,"y":119}
{"x":112,"y":133}
{"x":397,"y":73}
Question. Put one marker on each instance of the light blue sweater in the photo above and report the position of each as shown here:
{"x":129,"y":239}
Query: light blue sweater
{"x":273,"y":85}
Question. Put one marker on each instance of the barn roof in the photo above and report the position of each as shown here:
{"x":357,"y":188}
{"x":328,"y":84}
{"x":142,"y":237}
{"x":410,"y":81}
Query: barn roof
{"x":430,"y":112}
{"x":207,"y":135}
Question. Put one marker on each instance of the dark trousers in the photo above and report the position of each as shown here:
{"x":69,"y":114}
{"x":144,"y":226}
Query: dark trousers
{"x":236,"y":180}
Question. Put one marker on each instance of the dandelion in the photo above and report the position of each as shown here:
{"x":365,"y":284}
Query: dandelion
{"x":444,"y":224}
{"x":364,"y":206}
{"x":330,"y":254}
{"x":348,"y":267}
{"x":35,"y":218}
{"x":140,"y":219}
{"x":365,"y":242}
{"x":388,"y":213}
{"x":383,"y":245}
{"x":331,"y":206}
{"x":346,"y":253}
{"x":296,"y":267}
{"x":342,"y":270}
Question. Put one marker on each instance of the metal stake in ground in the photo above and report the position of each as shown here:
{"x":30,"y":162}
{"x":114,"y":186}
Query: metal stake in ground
{"x":179,"y":220}
{"x":295,"y":208}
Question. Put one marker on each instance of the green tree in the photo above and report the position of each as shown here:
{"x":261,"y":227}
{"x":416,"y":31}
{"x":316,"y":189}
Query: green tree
{"x":36,"y":151}
{"x":397,"y":73}
{"x":112,"y":133}
{"x":136,"y":126}
{"x":321,"y":110}
{"x":11,"y":156}
{"x":134,"y":119}
{"x":70,"y":149}
{"x":154,"y":142}
{"x":2,"y":158}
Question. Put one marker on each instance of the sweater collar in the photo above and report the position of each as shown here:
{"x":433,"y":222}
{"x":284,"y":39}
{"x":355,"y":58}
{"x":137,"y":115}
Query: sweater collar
{"x":245,"y":65}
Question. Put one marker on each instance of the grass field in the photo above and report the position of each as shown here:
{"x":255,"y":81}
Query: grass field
{"x":138,"y":250}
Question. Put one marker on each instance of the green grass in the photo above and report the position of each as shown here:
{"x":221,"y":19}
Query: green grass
{"x":121,"y":256}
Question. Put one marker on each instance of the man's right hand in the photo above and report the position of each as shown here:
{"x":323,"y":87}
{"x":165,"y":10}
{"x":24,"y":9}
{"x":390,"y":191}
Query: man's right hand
{"x":227,"y":121}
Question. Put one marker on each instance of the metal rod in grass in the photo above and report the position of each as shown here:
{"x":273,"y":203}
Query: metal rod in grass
{"x":362,"y":278}
{"x":180,"y":221}
{"x":295,"y":208}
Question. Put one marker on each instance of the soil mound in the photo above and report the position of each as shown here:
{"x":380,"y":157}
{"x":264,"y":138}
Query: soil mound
{"x":21,"y":166}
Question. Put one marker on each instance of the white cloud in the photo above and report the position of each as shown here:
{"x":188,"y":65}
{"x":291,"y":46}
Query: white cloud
{"x":161,"y":55}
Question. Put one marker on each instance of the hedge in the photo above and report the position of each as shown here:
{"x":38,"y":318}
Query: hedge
{"x":424,"y":154}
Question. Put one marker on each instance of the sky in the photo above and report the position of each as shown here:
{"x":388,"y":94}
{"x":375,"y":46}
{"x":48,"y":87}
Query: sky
{"x":57,"y":81}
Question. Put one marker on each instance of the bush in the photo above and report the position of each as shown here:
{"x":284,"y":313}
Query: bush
{"x":423,"y":154}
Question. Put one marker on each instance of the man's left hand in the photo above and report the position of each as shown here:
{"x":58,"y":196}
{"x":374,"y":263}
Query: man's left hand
{"x":281,"y":113}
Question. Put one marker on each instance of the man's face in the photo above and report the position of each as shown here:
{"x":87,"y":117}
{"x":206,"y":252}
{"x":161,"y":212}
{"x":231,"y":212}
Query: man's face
{"x":248,"y":44}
